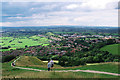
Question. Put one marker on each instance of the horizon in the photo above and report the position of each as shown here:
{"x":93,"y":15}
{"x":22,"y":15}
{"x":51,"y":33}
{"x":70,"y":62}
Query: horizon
{"x":59,"y":26}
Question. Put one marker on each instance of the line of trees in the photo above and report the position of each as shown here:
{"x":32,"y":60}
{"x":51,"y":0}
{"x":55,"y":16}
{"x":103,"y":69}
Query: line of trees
{"x":88,"y":57}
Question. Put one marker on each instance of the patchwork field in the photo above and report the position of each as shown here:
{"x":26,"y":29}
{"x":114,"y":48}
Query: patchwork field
{"x":114,"y":49}
{"x":14,"y":43}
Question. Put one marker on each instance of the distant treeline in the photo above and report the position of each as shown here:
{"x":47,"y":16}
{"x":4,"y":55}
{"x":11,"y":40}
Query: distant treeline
{"x":30,"y":31}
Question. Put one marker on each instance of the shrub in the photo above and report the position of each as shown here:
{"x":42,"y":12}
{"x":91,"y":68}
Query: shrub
{"x":8,"y":58}
{"x":116,"y":60}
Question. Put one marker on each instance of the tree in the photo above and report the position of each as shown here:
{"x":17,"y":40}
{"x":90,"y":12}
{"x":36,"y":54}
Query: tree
{"x":7,"y":58}
{"x":90,"y":59}
{"x":85,"y":49}
{"x":62,"y":60}
{"x":83,"y":61}
{"x":26,"y":46}
{"x":116,"y":60}
{"x":9,"y":46}
{"x":110,"y":41}
{"x":96,"y":59}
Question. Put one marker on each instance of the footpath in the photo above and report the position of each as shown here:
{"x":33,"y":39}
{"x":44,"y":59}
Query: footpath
{"x":89,"y":71}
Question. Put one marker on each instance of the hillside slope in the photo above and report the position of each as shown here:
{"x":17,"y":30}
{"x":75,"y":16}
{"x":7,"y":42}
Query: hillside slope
{"x":114,"y":49}
{"x":34,"y":62}
{"x":30,"y":61}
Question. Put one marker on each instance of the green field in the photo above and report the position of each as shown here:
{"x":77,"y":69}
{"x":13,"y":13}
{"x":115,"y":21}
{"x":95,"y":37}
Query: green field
{"x":21,"y":42}
{"x":114,"y":49}
{"x":33,"y":62}
{"x":112,"y":67}
{"x":10,"y":72}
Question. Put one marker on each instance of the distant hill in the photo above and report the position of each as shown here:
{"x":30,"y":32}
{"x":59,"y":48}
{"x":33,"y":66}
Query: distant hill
{"x":49,"y":34}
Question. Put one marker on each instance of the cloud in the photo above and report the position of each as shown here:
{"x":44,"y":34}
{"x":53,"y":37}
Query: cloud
{"x":100,"y":18}
{"x":107,"y":18}
{"x":92,"y":5}
{"x":90,"y":12}
{"x":72,"y":6}
{"x":46,"y":7}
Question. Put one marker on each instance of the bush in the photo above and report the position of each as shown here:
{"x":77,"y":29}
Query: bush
{"x":83,"y":61}
{"x":8,"y":58}
{"x":72,"y":61}
{"x":44,"y":58}
{"x":55,"y":57}
{"x":116,"y":60}
{"x":26,"y":46}
{"x":63,"y":60}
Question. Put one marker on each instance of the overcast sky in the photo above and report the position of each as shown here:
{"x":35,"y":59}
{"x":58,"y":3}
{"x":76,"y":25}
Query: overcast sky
{"x":87,"y":13}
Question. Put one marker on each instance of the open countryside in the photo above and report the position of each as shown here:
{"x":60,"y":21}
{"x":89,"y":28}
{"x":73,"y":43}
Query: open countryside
{"x":23,"y":42}
{"x":102,"y":67}
{"x":73,"y":53}
{"x":59,"y":39}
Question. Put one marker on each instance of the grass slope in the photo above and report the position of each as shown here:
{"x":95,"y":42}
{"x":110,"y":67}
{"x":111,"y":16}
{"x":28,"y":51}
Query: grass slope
{"x":49,"y":34}
{"x":10,"y":72}
{"x":30,"y":61}
{"x":114,"y":49}
{"x":112,"y":67}
{"x":33,"y":62}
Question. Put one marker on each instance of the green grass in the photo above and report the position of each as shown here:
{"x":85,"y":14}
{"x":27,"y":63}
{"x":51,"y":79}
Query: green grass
{"x":10,"y":72}
{"x":49,"y":34}
{"x":107,"y":67}
{"x":33,"y":62}
{"x":31,"y":41}
{"x":30,"y":61}
{"x":114,"y":49}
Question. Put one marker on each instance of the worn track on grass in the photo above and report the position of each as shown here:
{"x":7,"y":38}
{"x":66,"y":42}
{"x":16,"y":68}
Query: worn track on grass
{"x":89,"y":71}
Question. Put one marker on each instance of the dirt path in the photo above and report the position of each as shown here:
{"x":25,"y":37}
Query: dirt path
{"x":89,"y":71}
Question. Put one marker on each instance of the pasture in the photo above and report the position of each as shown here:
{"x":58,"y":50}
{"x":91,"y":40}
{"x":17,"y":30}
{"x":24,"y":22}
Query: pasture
{"x":114,"y":49}
{"x":22,"y":42}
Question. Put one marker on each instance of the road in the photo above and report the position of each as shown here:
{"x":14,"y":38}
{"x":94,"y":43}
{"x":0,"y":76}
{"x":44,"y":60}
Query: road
{"x":89,"y":71}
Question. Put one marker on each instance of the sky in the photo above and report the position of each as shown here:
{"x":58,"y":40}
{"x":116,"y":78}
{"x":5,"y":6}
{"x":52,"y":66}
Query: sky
{"x":41,"y":13}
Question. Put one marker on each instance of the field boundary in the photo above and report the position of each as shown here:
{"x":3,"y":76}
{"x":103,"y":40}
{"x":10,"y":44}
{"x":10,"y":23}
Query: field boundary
{"x":89,"y":71}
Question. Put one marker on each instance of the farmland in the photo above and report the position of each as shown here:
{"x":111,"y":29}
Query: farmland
{"x":70,"y":49}
{"x":54,"y":39}
{"x":14,"y":43}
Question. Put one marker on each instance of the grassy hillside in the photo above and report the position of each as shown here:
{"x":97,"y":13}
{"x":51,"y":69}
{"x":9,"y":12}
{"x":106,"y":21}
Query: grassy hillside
{"x":112,"y":67}
{"x":10,"y":72}
{"x":114,"y":49}
{"x":30,"y":61}
{"x":33,"y":62}
{"x":49,"y":34}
